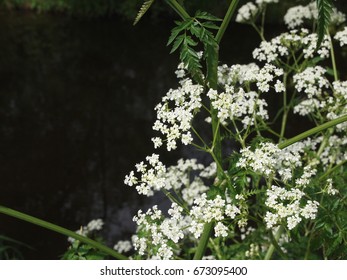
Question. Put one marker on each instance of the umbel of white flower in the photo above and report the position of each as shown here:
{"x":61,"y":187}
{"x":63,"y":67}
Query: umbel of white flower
{"x":175,"y":113}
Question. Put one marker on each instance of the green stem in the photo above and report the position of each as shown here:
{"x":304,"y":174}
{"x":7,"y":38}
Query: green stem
{"x":200,"y":250}
{"x":285,"y":109}
{"x":272,"y":246}
{"x":333,"y":61}
{"x":226,"y":20}
{"x":61,"y":230}
{"x":312,"y":131}
{"x":326,"y":174}
{"x":178,"y":9}
{"x":212,"y":81}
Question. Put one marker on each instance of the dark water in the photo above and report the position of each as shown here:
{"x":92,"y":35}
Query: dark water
{"x":76,"y":110}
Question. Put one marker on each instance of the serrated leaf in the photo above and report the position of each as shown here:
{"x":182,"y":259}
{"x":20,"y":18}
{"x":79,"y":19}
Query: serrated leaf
{"x":210,"y":25}
{"x":206,"y":16}
{"x":181,"y":25}
{"x":144,"y":8}
{"x":190,"y":42}
{"x":191,"y":60}
{"x":177,"y":43}
{"x":324,"y":13}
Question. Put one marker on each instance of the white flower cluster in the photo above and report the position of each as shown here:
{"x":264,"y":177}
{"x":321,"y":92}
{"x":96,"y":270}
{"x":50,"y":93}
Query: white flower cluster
{"x":155,"y":233}
{"x":268,"y":159}
{"x":336,"y":105}
{"x":181,"y":179}
{"x":237,"y":74}
{"x":287,"y":204}
{"x":207,"y":210}
{"x":185,"y":178}
{"x":263,"y":2}
{"x":238,"y":105}
{"x":151,"y":176}
{"x":175,"y":113}
{"x":329,"y":187}
{"x":123,"y":246}
{"x":341,"y":36}
{"x":93,"y":225}
{"x":311,"y":81}
{"x":321,"y":98}
{"x":335,"y":151}
{"x":295,"y":41}
{"x":298,"y":15}
{"x":266,"y":75}
{"x":249,"y":11}
{"x":262,"y":160}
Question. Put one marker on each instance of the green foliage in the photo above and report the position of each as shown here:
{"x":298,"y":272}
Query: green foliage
{"x":188,"y":34}
{"x":324,"y":14}
{"x":81,"y":251}
{"x":144,"y":8}
{"x":9,"y":248}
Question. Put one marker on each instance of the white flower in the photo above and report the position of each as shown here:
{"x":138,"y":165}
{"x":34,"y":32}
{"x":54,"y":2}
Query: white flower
{"x":289,"y":43}
{"x":96,"y":224}
{"x":311,"y":81}
{"x":220,"y":230}
{"x":233,"y":105}
{"x":247,"y":12}
{"x":263,"y":2}
{"x":279,"y":86}
{"x":285,"y":204}
{"x":151,"y":176}
{"x":296,"y":16}
{"x":330,"y":189}
{"x":123,"y":246}
{"x":341,"y":36}
{"x":175,"y":113}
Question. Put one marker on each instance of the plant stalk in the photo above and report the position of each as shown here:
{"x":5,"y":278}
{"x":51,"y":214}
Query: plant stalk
{"x":271,"y":249}
{"x":200,"y":250}
{"x":212,"y":82}
{"x":226,"y":20}
{"x":312,"y":131}
{"x":61,"y":230}
{"x":178,"y":9}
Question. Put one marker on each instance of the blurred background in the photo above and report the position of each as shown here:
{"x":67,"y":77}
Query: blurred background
{"x":78,"y":84}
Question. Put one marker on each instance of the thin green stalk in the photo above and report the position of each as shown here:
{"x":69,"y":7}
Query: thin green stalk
{"x":226,"y":20}
{"x":326,"y":174}
{"x":178,"y":9}
{"x":332,"y":54}
{"x":285,"y":109}
{"x":258,"y":31}
{"x":272,"y":246}
{"x":312,"y":131}
{"x":200,"y":250}
{"x":212,"y":81}
{"x":61,"y":230}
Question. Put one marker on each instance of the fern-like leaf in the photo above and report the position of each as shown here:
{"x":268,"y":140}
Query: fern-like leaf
{"x":144,"y":8}
{"x":324,"y":13}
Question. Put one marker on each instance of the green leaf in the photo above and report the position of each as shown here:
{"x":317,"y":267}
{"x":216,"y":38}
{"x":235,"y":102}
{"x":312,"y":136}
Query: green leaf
{"x":206,"y":16}
{"x":177,"y":43}
{"x":210,"y":25}
{"x":181,"y":25}
{"x":324,"y":14}
{"x":144,"y":8}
